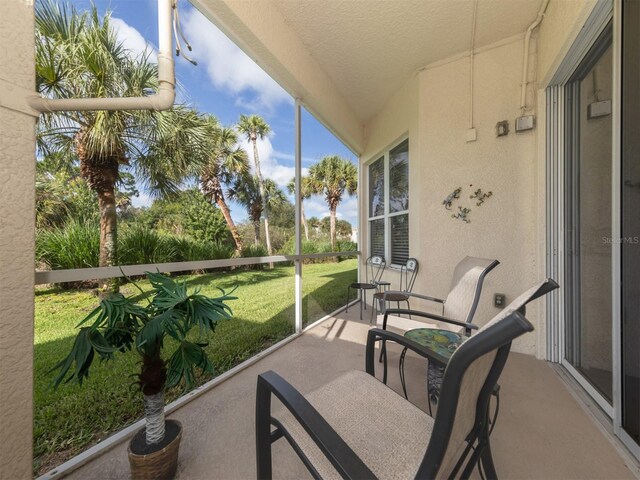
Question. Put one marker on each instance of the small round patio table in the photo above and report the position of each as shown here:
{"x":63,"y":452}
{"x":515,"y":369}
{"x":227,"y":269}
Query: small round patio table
{"x":442,"y":342}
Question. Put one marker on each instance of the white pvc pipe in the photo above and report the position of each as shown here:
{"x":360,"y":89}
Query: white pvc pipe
{"x":471,"y":59}
{"x":525,"y":62}
{"x":162,"y":100}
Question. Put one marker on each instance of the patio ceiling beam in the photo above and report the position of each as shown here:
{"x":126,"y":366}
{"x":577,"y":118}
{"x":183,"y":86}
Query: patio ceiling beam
{"x":261,"y":31}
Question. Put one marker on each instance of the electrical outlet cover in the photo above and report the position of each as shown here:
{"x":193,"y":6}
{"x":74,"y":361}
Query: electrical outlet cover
{"x":471,"y":135}
{"x":524,"y":123}
{"x":599,"y":109}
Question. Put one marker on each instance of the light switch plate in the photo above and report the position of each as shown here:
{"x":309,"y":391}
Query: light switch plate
{"x":502,"y":128}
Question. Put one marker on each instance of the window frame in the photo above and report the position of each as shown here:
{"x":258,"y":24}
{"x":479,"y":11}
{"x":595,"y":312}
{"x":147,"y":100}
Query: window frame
{"x":387,"y":215}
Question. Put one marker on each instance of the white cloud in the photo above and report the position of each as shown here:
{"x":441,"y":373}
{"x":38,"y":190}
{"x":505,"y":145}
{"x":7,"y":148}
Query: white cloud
{"x":269,"y":165}
{"x":229,"y":68}
{"x":133,"y":39}
{"x":347,"y":210}
{"x":290,"y":157}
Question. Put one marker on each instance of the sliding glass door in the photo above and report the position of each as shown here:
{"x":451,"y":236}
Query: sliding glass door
{"x":630,"y":226}
{"x":593,"y":213}
{"x":588,"y":214}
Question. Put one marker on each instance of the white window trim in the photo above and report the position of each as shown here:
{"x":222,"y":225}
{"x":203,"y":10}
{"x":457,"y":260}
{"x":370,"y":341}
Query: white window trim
{"x":387,"y":214}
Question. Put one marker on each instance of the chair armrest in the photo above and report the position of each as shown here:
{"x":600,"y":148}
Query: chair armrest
{"x":432,"y":316}
{"x":415,"y":295}
{"x":377,"y":334}
{"x":341,"y":456}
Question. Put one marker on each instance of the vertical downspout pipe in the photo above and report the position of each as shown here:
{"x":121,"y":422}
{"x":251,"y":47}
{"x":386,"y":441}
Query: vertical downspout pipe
{"x":525,"y":62}
{"x":162,"y":100}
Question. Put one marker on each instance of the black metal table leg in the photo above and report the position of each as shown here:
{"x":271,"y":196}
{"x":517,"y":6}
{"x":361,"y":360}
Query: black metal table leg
{"x":401,"y":368}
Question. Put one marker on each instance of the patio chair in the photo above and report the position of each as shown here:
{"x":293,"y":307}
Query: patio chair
{"x":443,"y":343}
{"x":458,"y":308}
{"x":357,"y":427}
{"x":408,"y":274}
{"x":374,"y":268}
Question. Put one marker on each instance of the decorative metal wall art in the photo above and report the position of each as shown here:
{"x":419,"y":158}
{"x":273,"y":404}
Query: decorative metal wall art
{"x":480,"y":196}
{"x":462,"y":214}
{"x":451,"y":197}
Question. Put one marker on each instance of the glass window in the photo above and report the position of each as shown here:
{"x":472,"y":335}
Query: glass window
{"x":399,"y":239}
{"x":377,"y":237}
{"x":399,"y":178}
{"x":389,"y":205}
{"x":376,"y":188}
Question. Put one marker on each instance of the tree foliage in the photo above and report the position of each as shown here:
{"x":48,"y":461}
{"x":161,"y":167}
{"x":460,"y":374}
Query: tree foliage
{"x":78,"y":55}
{"x":187,"y":212}
{"x":333,"y":177}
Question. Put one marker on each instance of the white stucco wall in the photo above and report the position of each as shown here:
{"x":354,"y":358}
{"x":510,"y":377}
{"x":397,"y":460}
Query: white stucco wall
{"x":558,"y":30}
{"x":17,"y":218}
{"x":502,"y":228}
{"x":433,"y":108}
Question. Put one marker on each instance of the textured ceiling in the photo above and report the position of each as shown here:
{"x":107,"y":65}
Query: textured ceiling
{"x":369,"y":48}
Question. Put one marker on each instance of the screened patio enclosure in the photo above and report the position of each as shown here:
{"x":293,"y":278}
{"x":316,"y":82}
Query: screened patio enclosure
{"x":494,"y":129}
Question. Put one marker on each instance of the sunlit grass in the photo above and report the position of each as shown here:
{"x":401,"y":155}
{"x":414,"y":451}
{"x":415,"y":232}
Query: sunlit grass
{"x":72,"y":417}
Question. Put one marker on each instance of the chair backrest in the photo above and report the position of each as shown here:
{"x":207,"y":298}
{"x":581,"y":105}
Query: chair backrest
{"x":471,"y":374}
{"x":408,"y":274}
{"x":375,"y":266}
{"x":466,"y":286}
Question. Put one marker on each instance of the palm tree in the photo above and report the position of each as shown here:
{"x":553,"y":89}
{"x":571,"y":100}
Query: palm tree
{"x":254,"y":127}
{"x":78,"y":55}
{"x":333,"y":176}
{"x":246,"y":191}
{"x":306,"y":191}
{"x":225,"y":162}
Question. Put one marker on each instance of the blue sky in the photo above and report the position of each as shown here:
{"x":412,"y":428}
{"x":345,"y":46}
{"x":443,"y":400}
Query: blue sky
{"x":227,"y":83}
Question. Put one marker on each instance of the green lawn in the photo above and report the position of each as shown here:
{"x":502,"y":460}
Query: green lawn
{"x":73,"y":417}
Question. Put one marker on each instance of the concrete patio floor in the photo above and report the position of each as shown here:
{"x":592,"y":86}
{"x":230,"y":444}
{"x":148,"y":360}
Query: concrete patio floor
{"x":541,"y":433}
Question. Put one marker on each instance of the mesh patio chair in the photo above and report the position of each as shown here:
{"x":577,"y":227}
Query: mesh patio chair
{"x":458,"y":308}
{"x":444,"y":342}
{"x":408,"y":274}
{"x":357,"y":427}
{"x":374,"y":268}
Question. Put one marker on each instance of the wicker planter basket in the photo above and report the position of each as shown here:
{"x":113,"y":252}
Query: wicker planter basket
{"x":159,"y":465}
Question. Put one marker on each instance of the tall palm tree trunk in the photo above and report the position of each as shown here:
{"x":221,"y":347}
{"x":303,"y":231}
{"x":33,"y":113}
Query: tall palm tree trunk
{"x":108,"y":234}
{"x":304,"y":220}
{"x":332,"y":225}
{"x":212,"y":188}
{"x":263,"y":195}
{"x":226,"y":213}
{"x":101,"y":174}
{"x":256,"y":232}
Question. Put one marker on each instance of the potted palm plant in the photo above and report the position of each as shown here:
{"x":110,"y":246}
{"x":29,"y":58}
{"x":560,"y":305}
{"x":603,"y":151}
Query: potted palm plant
{"x":119,"y":324}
